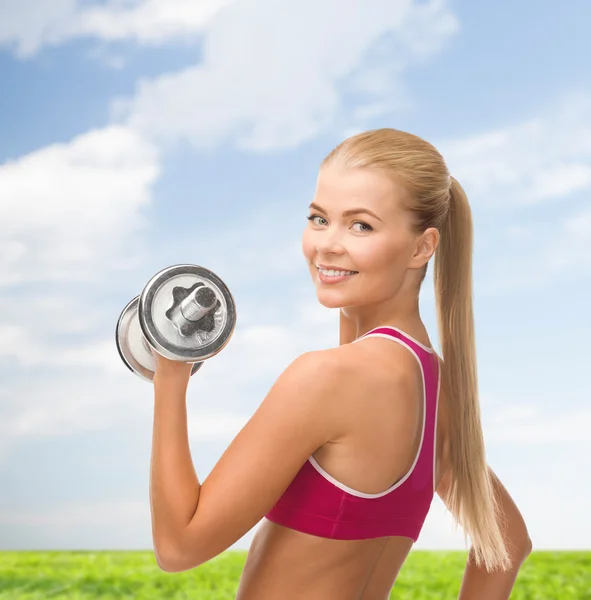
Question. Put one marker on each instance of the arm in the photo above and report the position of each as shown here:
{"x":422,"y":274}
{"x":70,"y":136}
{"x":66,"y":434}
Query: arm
{"x":479,"y":584}
{"x":174,"y":486}
{"x":193,"y":523}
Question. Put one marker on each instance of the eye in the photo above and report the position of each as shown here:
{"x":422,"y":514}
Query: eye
{"x":369,"y":227}
{"x":312,"y":217}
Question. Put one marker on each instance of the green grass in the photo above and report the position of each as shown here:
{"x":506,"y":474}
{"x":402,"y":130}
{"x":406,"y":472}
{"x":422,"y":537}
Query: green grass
{"x":127,"y":575}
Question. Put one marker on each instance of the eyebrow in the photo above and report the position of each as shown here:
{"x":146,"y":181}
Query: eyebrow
{"x":347,"y":213}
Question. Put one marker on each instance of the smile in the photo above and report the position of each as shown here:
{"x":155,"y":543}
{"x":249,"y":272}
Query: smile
{"x":330,"y":276}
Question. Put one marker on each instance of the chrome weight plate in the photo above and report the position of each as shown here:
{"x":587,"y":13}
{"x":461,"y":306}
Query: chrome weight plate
{"x":132,"y":346}
{"x":186,"y":313}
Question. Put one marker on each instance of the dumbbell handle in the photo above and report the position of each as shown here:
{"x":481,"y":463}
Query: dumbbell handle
{"x":198,"y":303}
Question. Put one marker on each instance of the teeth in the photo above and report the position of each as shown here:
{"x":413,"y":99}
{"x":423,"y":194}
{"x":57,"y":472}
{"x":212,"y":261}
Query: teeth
{"x":333,"y":273}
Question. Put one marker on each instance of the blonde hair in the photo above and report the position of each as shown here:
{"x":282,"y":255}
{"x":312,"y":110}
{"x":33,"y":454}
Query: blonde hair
{"x":435,"y":199}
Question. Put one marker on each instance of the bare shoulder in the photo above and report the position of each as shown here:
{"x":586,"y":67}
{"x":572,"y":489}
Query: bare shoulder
{"x":321,"y":379}
{"x":337,"y":378}
{"x":344,"y":375}
{"x":318,"y":367}
{"x":379,"y":361}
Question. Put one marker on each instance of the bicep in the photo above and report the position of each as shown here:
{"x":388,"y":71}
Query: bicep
{"x":293,"y":420}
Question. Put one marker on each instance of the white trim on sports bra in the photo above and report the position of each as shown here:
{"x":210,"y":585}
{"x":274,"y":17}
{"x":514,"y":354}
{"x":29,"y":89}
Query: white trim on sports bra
{"x":435,"y":424}
{"x":426,"y":348}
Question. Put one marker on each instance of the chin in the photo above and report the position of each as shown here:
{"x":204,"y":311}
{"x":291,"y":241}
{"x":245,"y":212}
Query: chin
{"x":329,"y":302}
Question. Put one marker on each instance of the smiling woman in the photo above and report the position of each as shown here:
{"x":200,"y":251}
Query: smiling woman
{"x":343,"y":457}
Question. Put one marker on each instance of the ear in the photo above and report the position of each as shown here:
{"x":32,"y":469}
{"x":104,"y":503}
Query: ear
{"x":426,"y":245}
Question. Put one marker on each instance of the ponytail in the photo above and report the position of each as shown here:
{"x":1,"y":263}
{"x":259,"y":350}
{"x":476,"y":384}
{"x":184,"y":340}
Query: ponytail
{"x":471,"y":496}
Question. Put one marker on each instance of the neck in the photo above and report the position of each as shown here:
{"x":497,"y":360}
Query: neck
{"x":355,"y":321}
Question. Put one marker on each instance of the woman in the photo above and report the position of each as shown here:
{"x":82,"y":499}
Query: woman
{"x":345,"y":453}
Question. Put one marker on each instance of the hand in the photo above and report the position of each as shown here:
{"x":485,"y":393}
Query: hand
{"x":171,"y":370}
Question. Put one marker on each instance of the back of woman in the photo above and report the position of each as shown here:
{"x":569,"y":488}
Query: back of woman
{"x":384,"y":433}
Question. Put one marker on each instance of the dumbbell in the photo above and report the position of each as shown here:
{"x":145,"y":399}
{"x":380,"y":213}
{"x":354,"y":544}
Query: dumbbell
{"x":185,"y":313}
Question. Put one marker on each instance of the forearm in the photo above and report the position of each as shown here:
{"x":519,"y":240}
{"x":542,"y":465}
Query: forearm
{"x":479,"y":584}
{"x":174,"y":487}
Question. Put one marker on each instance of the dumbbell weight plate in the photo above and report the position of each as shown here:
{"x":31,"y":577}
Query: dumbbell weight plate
{"x":132,"y":347}
{"x":185,"y":313}
{"x":173,"y":336}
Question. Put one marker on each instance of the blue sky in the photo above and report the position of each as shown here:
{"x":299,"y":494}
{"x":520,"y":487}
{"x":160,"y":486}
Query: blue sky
{"x":144,"y":133}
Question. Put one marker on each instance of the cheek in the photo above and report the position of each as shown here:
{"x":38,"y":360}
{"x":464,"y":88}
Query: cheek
{"x":307,"y":246}
{"x":385,"y":263}
{"x":374,"y":255}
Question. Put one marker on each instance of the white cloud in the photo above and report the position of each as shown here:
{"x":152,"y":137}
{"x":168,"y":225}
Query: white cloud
{"x":530,"y":425}
{"x":145,"y":21}
{"x":569,"y":247}
{"x":543,"y":158}
{"x":71,"y":214}
{"x":271,"y":77}
{"x":68,"y":211}
{"x":517,"y":168}
{"x":27,"y":30}
{"x":536,"y":254}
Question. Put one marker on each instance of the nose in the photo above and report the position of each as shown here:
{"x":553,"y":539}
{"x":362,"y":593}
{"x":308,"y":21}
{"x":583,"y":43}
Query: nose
{"x":329,"y":242}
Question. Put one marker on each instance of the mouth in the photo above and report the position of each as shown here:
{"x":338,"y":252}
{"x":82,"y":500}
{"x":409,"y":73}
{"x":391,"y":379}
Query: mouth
{"x":328,"y":276}
{"x":334,"y":269}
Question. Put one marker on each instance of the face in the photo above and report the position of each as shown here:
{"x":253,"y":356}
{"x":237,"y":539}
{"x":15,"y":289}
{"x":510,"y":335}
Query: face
{"x":380,"y":246}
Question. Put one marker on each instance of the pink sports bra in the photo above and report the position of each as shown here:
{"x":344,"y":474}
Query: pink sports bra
{"x":318,"y":504}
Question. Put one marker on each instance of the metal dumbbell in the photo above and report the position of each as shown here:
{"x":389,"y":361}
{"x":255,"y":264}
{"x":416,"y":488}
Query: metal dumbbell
{"x":185,"y":313}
